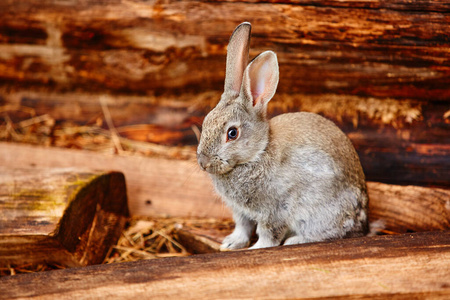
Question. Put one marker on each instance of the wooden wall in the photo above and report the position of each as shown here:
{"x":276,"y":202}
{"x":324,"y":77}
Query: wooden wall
{"x":380,"y":69}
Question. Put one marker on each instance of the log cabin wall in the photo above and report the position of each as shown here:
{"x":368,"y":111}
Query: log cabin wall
{"x":380,"y":69}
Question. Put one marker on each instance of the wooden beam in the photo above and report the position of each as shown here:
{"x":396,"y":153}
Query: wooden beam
{"x":155,"y":186}
{"x":385,"y":267}
{"x":67,"y":216}
{"x":379,"y":68}
{"x":409,"y":208}
{"x":159,"y":186}
{"x":398,"y":142}
{"x":374,"y":48}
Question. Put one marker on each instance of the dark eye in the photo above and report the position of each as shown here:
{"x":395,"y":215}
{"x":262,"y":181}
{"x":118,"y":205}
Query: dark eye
{"x":232,"y":133}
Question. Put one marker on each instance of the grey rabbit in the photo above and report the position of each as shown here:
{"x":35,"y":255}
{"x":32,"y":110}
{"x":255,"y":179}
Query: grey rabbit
{"x":296,"y":177}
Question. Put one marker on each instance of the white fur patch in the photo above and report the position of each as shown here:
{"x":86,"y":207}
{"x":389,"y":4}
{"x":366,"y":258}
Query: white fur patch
{"x":315,"y":161}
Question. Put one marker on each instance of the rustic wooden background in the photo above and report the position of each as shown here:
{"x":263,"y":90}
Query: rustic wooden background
{"x":380,"y":69}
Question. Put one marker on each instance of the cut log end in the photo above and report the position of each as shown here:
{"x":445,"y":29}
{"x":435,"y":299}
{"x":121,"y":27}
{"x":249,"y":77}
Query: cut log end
{"x":64,"y":216}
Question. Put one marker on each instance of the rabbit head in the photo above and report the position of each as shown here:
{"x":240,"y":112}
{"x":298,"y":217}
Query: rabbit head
{"x":236,"y":131}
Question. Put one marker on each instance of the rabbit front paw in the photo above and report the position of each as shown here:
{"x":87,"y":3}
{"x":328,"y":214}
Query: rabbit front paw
{"x":236,"y":240}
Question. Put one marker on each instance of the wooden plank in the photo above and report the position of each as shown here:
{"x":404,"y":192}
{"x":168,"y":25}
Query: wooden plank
{"x":155,"y":186}
{"x":64,"y":216}
{"x":386,"y":267}
{"x":373,"y":48}
{"x":159,"y":186}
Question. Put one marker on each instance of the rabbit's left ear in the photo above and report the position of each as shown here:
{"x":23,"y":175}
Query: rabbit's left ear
{"x":260,"y":81}
{"x":237,"y":58}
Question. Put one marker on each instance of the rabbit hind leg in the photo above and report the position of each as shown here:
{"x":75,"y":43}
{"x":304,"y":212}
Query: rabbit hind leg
{"x":294,"y":240}
{"x":269,"y":235}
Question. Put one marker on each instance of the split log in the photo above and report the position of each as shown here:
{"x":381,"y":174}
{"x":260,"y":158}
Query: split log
{"x":377,"y":267}
{"x":59,"y":216}
{"x":166,"y":187}
{"x":374,"y":48}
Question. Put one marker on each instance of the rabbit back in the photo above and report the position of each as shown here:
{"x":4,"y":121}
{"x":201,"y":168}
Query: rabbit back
{"x":315,"y":153}
{"x":316,"y":145}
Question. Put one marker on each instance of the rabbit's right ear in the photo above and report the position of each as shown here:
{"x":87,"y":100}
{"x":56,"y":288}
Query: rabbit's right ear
{"x":260,"y":82}
{"x":237,"y":58}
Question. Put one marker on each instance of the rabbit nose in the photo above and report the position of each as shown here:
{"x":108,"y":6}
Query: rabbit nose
{"x":203,"y":161}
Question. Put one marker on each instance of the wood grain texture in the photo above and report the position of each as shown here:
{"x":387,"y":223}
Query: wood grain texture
{"x":398,"y":141}
{"x":409,"y":208}
{"x":379,"y":68}
{"x":155,"y":186}
{"x":372,"y":48}
{"x":179,"y":188}
{"x":65,"y":216}
{"x":201,"y":241}
{"x":387,"y":267}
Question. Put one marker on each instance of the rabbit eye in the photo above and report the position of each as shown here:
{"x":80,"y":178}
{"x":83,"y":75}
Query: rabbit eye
{"x":232,"y":133}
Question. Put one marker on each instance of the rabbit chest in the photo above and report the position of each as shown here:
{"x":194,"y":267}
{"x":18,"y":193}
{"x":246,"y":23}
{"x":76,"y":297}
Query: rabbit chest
{"x":298,"y":181}
{"x":251,"y":189}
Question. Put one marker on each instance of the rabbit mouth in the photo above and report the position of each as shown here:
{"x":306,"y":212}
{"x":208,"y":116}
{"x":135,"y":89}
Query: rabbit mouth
{"x":215,"y":165}
{"x":219,"y":168}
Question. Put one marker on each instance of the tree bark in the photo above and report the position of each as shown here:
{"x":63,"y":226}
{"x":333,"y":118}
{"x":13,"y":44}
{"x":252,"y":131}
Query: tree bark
{"x":65,"y":216}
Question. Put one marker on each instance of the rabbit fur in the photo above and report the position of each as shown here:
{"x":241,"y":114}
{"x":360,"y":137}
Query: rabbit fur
{"x":296,"y":177}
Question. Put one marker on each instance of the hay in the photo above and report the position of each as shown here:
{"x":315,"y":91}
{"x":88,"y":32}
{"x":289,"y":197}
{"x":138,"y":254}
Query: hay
{"x":148,"y":239}
{"x":43,"y":130}
{"x":27,"y":268}
{"x":143,"y":238}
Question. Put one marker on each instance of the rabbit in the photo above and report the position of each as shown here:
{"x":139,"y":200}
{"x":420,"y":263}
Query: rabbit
{"x":296,"y":177}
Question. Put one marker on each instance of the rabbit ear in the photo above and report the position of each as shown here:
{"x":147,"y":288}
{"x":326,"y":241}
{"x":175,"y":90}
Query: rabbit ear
{"x":261,"y":80}
{"x":237,"y":58}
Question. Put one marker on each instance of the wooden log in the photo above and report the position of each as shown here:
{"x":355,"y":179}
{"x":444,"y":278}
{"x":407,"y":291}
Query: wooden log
{"x":156,"y":186}
{"x":376,"y":48}
{"x":410,"y":208}
{"x":200,"y":241}
{"x":379,"y":68}
{"x":405,"y":266}
{"x":166,"y":187}
{"x":65,"y":216}
{"x":399,"y":142}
